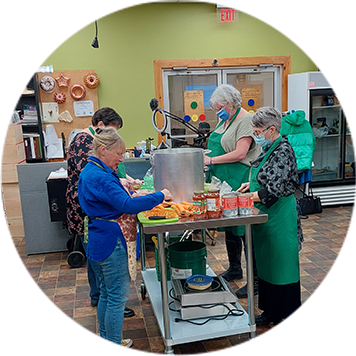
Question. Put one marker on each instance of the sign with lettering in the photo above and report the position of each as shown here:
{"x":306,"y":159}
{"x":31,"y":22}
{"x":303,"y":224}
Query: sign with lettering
{"x":227,"y":15}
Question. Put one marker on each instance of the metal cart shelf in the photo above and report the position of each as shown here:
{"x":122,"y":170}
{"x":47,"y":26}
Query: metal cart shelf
{"x":173,"y":332}
{"x":7,"y":257}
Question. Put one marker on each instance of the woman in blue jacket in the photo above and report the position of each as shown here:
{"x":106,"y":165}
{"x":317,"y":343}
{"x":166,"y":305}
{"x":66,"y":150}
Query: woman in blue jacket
{"x":111,"y":210}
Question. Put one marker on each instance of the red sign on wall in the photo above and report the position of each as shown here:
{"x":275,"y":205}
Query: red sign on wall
{"x":227,"y":15}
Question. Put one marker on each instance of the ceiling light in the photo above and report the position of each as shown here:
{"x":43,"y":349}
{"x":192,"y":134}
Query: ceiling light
{"x":95,"y":43}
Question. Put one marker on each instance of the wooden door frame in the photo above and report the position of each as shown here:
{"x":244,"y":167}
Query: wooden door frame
{"x":220,"y":63}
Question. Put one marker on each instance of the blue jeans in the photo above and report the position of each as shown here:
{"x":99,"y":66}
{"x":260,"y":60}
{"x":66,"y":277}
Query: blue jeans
{"x":114,"y":278}
{"x":92,"y":278}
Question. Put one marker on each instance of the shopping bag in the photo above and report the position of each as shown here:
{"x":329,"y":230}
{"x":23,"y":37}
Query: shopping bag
{"x":309,"y":204}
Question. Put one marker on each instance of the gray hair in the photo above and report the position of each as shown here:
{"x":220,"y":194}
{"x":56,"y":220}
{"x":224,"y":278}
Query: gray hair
{"x":267,"y":116}
{"x":225,"y":94}
{"x":108,"y":137}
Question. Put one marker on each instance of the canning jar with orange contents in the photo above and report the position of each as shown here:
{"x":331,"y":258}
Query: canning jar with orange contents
{"x":213,"y":203}
{"x":199,"y":205}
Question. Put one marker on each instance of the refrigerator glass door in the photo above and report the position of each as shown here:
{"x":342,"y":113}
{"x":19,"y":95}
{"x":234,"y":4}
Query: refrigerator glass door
{"x":326,"y":120}
{"x":349,"y":155}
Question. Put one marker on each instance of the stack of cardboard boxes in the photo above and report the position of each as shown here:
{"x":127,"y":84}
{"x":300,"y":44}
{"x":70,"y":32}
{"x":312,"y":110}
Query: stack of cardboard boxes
{"x":13,"y":154}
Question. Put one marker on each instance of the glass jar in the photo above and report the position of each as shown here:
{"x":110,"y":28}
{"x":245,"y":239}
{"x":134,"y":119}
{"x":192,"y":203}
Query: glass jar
{"x":199,"y":205}
{"x":213,"y":203}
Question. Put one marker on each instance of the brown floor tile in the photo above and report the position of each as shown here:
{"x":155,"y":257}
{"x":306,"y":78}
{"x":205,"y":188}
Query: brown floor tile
{"x":45,"y":307}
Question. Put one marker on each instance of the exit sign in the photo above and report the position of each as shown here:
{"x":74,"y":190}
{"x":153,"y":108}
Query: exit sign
{"x":227,"y":15}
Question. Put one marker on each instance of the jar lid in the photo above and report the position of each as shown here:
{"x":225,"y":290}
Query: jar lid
{"x":200,"y":280}
{"x":213,"y":191}
{"x":199,"y":192}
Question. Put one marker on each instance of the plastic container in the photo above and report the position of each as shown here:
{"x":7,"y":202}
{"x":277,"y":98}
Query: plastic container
{"x":199,"y":281}
{"x":187,"y":258}
{"x":348,"y":170}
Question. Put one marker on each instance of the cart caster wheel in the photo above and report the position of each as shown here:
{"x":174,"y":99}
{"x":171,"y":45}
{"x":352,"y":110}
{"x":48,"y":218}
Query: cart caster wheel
{"x":213,"y":243}
{"x":12,"y":268}
{"x":75,"y":259}
{"x":255,"y":351}
{"x":143,"y":291}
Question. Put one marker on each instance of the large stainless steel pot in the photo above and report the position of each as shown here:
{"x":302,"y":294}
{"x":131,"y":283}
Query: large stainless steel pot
{"x":180,"y":170}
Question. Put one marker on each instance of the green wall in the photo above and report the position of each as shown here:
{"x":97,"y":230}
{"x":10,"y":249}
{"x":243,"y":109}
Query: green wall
{"x":130,"y":39}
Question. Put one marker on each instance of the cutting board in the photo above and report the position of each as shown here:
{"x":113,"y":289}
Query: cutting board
{"x":146,"y":221}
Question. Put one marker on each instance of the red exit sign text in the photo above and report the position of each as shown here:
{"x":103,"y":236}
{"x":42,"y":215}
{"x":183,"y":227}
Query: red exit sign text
{"x":227,"y":15}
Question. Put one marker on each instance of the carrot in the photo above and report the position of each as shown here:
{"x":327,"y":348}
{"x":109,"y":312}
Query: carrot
{"x":187,"y":203}
{"x":181,"y":208}
{"x":174,"y":206}
{"x":165,"y":205}
{"x":187,"y":207}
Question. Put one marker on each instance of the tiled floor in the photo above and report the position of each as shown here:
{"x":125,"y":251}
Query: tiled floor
{"x":45,"y":310}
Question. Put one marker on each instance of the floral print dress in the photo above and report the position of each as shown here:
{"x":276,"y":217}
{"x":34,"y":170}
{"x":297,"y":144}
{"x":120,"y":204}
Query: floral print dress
{"x":77,"y":159}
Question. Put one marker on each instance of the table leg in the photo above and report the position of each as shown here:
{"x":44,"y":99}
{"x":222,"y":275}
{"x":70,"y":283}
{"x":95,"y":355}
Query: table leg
{"x":142,"y":248}
{"x":250,"y":281}
{"x":164,"y":291}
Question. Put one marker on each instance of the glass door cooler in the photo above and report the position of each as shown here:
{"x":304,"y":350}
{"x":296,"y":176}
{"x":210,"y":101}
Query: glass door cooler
{"x":334,"y":159}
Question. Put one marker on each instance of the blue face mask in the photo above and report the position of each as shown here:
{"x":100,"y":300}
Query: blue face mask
{"x":223,"y":114}
{"x":261,"y":140}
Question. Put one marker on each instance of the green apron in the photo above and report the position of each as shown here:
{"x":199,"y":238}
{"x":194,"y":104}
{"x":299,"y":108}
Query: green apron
{"x":276,"y":241}
{"x":121,"y":170}
{"x":234,"y":173}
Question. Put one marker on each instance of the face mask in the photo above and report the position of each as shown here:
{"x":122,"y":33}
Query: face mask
{"x":223,"y":114}
{"x":261,"y":140}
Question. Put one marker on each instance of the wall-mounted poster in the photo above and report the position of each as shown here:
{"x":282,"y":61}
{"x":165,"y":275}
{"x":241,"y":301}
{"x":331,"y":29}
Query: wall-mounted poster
{"x":336,"y":36}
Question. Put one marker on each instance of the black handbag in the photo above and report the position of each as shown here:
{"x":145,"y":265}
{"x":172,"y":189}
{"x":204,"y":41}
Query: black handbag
{"x":309,"y":204}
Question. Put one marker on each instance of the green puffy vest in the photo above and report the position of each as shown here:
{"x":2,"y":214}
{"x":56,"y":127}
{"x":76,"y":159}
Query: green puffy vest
{"x":301,"y":137}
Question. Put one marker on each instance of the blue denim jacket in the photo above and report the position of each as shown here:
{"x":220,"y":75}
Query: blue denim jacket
{"x":101,"y":195}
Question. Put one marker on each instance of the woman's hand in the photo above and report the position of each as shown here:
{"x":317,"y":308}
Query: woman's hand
{"x":245,"y":187}
{"x":167,"y":195}
{"x":125,"y":183}
{"x":136,"y":182}
{"x":207,"y":160}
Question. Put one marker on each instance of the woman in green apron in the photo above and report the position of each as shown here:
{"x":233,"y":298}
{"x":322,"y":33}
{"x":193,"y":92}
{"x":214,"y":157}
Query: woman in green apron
{"x":274,"y":179}
{"x":232,"y":148}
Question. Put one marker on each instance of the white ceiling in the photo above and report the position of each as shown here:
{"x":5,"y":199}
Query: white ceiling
{"x":129,"y":1}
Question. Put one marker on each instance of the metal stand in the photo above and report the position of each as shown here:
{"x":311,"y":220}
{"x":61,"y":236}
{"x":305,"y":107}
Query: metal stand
{"x":175,"y":333}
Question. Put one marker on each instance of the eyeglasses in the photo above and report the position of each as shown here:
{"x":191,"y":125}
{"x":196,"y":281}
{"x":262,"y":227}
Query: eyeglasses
{"x":260,"y":133}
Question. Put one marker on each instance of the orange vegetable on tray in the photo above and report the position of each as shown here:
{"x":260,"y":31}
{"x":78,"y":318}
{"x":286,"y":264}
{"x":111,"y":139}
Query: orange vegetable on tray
{"x":159,"y":210}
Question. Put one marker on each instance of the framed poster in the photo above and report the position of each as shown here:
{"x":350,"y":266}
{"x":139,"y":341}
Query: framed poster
{"x":11,"y":56}
{"x":336,"y":36}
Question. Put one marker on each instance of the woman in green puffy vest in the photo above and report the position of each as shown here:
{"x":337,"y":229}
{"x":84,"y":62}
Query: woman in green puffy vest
{"x":274,"y":179}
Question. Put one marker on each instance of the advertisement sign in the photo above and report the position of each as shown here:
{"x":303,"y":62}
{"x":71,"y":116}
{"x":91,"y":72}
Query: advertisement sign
{"x":336,"y":36}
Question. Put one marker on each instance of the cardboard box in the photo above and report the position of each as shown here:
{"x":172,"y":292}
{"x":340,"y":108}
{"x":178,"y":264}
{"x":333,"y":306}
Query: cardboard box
{"x":14,"y":153}
{"x":14,"y":134}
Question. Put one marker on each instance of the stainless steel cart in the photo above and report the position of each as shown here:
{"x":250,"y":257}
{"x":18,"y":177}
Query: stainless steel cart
{"x":175,"y":333}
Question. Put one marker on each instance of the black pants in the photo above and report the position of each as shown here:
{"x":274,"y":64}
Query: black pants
{"x":238,"y":240}
{"x":278,"y":301}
